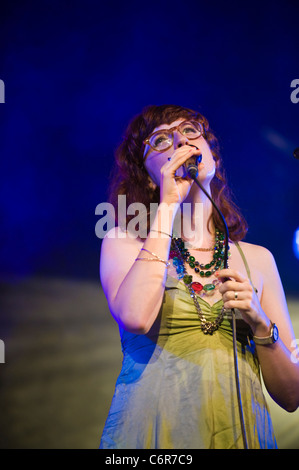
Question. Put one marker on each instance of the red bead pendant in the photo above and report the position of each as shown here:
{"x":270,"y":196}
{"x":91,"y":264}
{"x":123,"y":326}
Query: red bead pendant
{"x":197,"y":286}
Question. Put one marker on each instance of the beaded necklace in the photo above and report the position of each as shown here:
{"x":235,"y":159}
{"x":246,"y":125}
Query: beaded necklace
{"x":180,"y":255}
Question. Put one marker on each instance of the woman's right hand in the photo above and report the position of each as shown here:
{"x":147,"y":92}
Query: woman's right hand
{"x":173,"y":189}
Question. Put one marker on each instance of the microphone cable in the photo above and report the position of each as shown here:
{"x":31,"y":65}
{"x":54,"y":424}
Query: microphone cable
{"x":192,"y":173}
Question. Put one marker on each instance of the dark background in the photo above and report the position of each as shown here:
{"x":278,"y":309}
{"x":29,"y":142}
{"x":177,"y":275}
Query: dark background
{"x":76,"y":72}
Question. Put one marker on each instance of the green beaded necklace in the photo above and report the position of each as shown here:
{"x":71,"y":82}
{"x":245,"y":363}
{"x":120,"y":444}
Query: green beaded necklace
{"x":181,"y":255}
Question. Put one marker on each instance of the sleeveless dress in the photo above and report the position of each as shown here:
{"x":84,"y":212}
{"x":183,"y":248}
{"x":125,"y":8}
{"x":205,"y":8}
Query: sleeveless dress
{"x":176,"y":388}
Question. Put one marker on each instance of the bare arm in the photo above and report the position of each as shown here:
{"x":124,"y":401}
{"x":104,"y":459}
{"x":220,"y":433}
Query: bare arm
{"x":280,"y":373}
{"x":134,"y":289}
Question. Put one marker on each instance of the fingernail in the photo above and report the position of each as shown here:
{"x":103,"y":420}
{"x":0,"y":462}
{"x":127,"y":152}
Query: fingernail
{"x":216,"y":273}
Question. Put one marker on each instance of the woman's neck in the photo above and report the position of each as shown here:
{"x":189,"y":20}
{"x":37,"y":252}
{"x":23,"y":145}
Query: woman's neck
{"x":197,"y":227}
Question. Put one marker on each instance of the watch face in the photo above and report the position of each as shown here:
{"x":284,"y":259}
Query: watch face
{"x":275,"y":333}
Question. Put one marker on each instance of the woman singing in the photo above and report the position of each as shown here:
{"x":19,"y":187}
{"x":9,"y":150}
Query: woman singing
{"x":173,"y":300}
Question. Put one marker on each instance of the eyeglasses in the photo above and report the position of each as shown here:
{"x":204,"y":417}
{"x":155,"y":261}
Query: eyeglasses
{"x":162,"y":140}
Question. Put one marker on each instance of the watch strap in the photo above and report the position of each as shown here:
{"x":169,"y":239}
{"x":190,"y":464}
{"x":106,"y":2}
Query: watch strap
{"x":267,"y":339}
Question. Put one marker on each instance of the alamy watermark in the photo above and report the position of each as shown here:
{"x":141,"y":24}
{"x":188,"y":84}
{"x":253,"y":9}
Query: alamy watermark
{"x":295,"y":353}
{"x":295,"y":93}
{"x":2,"y":352}
{"x":2,"y":91}
{"x":190,"y":223}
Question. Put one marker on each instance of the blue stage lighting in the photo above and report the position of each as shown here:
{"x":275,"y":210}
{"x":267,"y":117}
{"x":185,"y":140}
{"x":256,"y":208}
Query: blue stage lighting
{"x":296,"y":243}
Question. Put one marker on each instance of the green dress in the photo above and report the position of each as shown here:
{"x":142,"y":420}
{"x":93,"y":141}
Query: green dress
{"x":176,"y":388}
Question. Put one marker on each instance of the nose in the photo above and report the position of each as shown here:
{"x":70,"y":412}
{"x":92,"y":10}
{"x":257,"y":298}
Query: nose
{"x":179,"y":140}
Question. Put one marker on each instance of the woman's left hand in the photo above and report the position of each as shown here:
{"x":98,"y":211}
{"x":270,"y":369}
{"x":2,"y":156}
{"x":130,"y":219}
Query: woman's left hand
{"x":237,"y":292}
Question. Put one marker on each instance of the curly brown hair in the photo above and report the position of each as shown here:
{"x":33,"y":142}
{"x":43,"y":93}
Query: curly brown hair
{"x":130,"y":176}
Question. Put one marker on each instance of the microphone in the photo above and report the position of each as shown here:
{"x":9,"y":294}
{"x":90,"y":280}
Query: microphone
{"x":189,"y":168}
{"x":296,"y":153}
{"x":192,"y":169}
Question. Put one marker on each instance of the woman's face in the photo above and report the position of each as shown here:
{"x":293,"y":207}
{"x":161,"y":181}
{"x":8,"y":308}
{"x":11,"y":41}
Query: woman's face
{"x":154,"y":160}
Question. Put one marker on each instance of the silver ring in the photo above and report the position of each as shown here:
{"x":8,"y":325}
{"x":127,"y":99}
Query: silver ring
{"x":236,"y":295}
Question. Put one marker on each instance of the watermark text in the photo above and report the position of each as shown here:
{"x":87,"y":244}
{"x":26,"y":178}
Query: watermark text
{"x":295,"y":93}
{"x":295,"y":353}
{"x":2,"y":91}
{"x":184,"y":218}
{"x":2,"y":352}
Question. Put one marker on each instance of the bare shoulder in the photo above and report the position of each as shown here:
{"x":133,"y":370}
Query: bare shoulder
{"x":261,"y":264}
{"x":116,"y":234}
{"x":120,"y":245}
{"x":118,"y":253}
{"x":257,"y":255}
{"x":267,"y":277}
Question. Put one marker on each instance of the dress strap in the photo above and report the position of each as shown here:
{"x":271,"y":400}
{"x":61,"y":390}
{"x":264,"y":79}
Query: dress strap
{"x":245,"y":263}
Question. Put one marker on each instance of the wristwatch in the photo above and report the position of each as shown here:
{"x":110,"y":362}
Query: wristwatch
{"x":274,"y":335}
